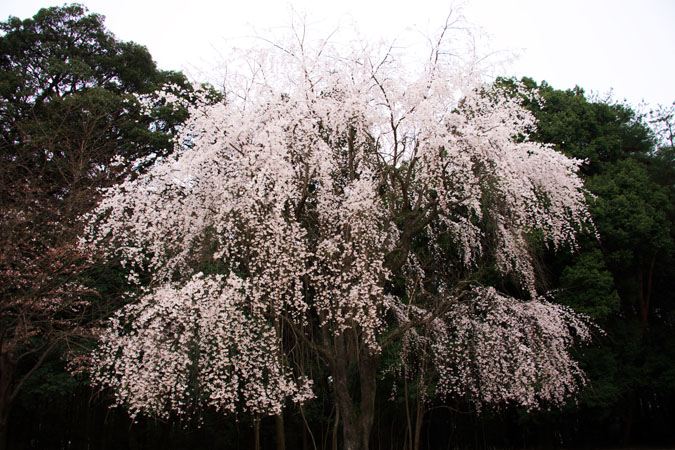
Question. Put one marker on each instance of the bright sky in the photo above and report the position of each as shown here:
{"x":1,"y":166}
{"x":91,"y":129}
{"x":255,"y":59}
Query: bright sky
{"x":624,"y":45}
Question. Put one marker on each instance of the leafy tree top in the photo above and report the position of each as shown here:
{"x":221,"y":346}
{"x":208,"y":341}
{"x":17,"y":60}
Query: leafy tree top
{"x":600,"y":133}
{"x":63,"y":50}
{"x":63,"y":62}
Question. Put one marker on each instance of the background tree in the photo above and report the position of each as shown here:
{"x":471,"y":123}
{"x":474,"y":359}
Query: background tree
{"x":70,"y":123}
{"x":342,"y":207}
{"x":624,"y":279}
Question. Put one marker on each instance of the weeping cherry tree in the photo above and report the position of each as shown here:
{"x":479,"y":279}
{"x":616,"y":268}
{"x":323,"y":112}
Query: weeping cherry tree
{"x":340,"y":204}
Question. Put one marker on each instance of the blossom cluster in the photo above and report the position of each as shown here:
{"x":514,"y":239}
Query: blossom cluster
{"x":199,"y":344}
{"x":494,"y":349}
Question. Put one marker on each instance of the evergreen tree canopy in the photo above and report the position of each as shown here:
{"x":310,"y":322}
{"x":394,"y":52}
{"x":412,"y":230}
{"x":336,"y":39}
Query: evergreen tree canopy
{"x":77,"y":108}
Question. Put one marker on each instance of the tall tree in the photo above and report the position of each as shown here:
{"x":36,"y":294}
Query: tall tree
{"x":340,"y":207}
{"x":623,"y":279}
{"x":72,"y":116}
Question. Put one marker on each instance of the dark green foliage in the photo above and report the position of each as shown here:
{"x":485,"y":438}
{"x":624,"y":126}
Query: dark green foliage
{"x":600,"y":133}
{"x":69,"y":111}
{"x":68,"y":95}
{"x":587,"y":286}
{"x":631,"y":210}
{"x":625,"y":278}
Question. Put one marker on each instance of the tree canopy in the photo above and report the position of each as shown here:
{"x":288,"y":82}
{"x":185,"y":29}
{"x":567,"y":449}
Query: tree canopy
{"x":623,"y":278}
{"x":76,"y":106}
{"x":339,"y":206}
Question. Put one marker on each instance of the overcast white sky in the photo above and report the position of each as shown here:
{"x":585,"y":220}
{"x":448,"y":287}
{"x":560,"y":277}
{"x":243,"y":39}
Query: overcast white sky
{"x":627,"y":46}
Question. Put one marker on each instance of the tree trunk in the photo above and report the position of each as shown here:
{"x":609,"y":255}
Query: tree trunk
{"x":357,"y":423}
{"x":3,"y":433}
{"x":336,"y":427}
{"x":628,"y":420}
{"x":256,"y":433}
{"x":305,"y":441}
{"x":419,"y":420}
{"x":409,"y":434}
{"x":280,"y":431}
{"x":7,"y":366}
{"x":368,"y":372}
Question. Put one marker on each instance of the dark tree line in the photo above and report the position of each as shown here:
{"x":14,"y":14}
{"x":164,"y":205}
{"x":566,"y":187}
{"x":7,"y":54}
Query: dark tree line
{"x":69,"y":109}
{"x":624,"y":279}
